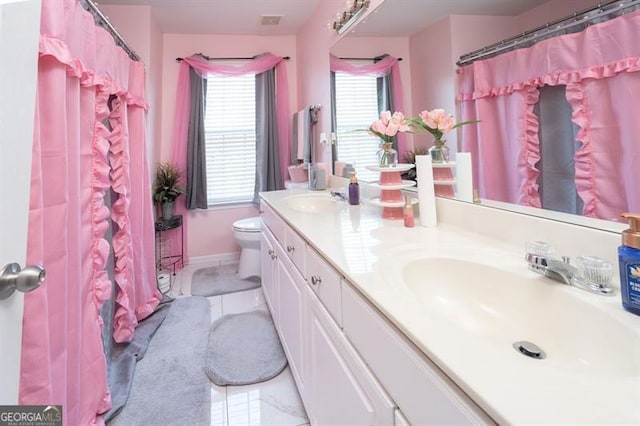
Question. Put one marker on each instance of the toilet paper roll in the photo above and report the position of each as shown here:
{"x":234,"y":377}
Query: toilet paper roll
{"x":164,"y":282}
{"x":426,"y":191}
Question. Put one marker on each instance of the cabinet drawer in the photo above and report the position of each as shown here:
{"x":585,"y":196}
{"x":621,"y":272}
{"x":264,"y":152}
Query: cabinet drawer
{"x":423,"y":392}
{"x":325,"y":283}
{"x":273,"y":221}
{"x":294,"y":245}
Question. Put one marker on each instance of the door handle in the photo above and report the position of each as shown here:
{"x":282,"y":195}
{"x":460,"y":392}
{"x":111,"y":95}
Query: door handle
{"x":12,"y":278}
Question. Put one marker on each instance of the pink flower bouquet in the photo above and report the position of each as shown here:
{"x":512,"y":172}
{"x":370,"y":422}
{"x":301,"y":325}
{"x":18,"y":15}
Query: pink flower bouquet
{"x":389,"y":125}
{"x":437,"y":122}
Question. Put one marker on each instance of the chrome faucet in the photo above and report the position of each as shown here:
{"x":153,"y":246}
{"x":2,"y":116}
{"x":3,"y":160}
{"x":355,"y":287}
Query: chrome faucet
{"x":338,"y":195}
{"x":593,"y":275}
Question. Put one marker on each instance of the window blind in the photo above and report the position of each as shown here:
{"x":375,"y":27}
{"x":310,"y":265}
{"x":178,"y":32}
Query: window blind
{"x":230,"y":138}
{"x":356,"y":109}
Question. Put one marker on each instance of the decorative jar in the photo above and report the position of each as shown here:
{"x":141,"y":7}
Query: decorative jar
{"x":439,"y":152}
{"x":387,"y":156}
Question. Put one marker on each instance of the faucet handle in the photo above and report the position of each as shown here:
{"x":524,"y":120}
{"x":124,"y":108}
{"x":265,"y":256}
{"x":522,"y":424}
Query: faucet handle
{"x":595,"y":270}
{"x":539,"y":248}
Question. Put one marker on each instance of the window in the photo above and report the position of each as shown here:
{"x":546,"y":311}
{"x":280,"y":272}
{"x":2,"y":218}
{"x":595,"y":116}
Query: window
{"x":230,"y":138}
{"x":356,"y":108}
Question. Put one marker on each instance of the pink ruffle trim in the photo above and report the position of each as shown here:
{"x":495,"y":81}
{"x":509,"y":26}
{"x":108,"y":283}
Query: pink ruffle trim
{"x":585,"y":174}
{"x":530,"y":155}
{"x":50,"y":46}
{"x":101,"y":284}
{"x":124,"y":319}
{"x":555,"y":79}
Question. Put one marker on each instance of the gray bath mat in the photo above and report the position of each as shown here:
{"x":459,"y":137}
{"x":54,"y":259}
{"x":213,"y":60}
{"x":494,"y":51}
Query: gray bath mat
{"x":244,"y":349}
{"x":222,"y":279}
{"x":169,"y":387}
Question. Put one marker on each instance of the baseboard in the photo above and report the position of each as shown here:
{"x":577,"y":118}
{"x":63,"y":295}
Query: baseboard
{"x":222,"y":258}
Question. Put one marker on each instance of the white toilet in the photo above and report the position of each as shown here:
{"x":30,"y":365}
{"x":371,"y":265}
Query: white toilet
{"x":246,"y":232}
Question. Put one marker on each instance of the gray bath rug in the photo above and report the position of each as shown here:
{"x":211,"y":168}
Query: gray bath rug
{"x":244,"y":349}
{"x":222,"y":279}
{"x":168,"y":386}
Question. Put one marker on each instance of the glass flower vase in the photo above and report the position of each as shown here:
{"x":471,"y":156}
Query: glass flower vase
{"x":387,"y":156}
{"x":439,"y":152}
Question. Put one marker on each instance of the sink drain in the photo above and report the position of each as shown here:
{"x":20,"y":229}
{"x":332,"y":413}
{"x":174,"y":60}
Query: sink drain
{"x":529,"y":349}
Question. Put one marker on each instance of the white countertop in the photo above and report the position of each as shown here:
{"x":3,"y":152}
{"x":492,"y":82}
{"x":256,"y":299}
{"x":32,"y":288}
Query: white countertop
{"x":510,"y":387}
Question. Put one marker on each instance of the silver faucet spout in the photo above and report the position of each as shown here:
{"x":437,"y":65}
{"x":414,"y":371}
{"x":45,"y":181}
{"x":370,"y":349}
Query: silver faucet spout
{"x":565,"y":273}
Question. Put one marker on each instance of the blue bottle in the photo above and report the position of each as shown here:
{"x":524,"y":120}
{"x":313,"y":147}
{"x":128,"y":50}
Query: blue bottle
{"x":629,"y":258}
{"x":354,"y":190}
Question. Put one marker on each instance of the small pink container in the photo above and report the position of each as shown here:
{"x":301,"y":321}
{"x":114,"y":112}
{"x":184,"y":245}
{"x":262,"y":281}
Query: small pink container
{"x":298,"y":173}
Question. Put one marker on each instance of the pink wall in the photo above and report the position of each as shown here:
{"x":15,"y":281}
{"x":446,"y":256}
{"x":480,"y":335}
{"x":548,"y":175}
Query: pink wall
{"x":432,"y":71}
{"x":314,"y":43}
{"x":551,"y":11}
{"x":210,"y":231}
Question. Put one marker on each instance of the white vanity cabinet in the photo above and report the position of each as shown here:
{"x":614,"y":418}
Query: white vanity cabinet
{"x":350,"y":364}
{"x":340,"y":388}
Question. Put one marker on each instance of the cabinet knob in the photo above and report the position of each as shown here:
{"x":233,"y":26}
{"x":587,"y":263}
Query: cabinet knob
{"x":274,"y":257}
{"x":315,"y":280}
{"x":271,"y":252}
{"x":290,"y":249}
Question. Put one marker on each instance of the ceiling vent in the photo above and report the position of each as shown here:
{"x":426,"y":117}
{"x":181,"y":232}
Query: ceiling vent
{"x":270,"y":19}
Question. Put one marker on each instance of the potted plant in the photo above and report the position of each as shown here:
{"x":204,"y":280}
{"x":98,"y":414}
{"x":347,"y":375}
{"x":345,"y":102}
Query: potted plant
{"x":410,"y":158}
{"x":166,"y":188}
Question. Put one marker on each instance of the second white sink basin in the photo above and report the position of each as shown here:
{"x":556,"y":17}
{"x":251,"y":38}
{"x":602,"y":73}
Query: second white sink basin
{"x":313,"y":203}
{"x":502,"y":307}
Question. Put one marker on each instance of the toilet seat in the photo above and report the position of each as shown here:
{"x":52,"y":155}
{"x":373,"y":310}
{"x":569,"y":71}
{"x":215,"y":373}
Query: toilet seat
{"x":251,"y":224}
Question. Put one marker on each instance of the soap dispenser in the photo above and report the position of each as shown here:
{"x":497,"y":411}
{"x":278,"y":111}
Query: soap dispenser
{"x":629,"y":258}
{"x":354,"y":190}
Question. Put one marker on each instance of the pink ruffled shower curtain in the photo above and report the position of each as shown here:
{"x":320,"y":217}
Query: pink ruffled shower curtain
{"x":388,"y":65}
{"x":258,"y":65}
{"x":76,"y":160}
{"x":600,"y":68}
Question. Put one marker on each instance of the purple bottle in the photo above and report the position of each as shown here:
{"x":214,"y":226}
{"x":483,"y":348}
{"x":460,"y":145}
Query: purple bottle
{"x":354,"y":190}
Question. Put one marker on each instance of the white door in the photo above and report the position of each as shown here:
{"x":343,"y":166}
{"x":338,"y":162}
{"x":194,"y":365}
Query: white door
{"x":19,"y":29}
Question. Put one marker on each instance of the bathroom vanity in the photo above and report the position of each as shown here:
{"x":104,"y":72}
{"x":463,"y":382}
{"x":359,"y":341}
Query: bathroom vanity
{"x":383,"y":324}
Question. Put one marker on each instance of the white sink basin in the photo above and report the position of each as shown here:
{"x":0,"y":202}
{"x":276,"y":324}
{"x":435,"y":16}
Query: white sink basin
{"x":499,"y":307}
{"x":313,"y":203}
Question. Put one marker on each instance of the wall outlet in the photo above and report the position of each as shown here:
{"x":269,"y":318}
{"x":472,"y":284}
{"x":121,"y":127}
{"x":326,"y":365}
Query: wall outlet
{"x":323,"y":138}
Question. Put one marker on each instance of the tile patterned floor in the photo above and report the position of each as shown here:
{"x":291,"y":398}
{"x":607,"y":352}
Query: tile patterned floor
{"x":274,"y":402}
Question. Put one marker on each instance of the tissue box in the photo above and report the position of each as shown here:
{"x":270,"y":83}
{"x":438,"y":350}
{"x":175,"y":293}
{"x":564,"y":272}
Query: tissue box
{"x":298,"y":173}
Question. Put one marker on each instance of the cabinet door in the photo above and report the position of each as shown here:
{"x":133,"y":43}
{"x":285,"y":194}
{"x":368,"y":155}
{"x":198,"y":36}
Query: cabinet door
{"x":290,"y":314}
{"x":268,"y":259}
{"x":341,"y":390}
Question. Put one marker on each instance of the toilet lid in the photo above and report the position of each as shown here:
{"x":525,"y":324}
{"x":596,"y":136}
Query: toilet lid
{"x":251,"y":224}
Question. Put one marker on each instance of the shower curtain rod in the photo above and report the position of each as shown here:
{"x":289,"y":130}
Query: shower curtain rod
{"x":103,"y":21}
{"x":376,"y":58}
{"x":607,"y":10}
{"x":209,"y":58}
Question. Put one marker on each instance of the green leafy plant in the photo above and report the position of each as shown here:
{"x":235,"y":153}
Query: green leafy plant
{"x":166,"y":187}
{"x":410,"y":158}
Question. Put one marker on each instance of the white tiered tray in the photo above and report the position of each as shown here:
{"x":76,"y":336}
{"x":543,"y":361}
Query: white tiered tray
{"x":404,"y":184}
{"x":398,"y":168}
{"x":447,"y":165}
{"x":379,"y":203}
